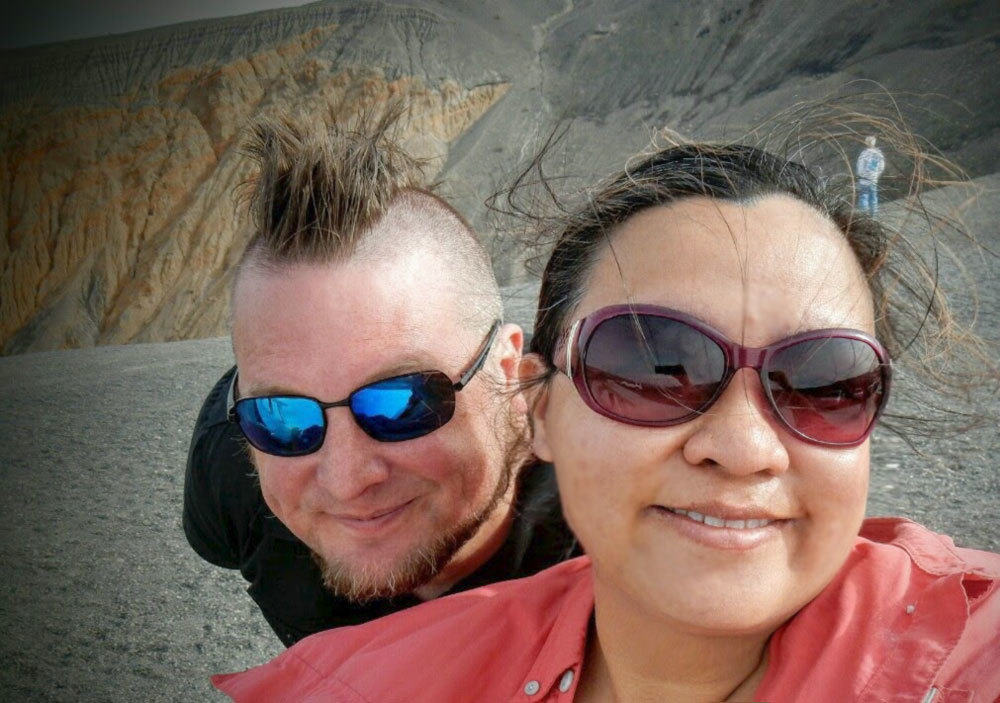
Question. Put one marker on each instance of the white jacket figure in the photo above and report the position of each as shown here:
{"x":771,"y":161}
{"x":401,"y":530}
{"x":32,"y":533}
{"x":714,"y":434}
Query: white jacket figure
{"x":871,"y":163}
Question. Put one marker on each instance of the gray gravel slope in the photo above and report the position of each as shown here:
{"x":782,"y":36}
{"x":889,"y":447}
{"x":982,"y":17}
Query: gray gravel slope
{"x":103,"y":599}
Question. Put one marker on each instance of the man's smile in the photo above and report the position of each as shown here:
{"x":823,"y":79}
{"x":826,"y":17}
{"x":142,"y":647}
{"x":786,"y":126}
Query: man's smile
{"x":373,"y":521}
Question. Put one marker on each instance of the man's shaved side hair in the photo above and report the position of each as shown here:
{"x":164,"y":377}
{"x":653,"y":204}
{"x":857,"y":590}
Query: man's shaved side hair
{"x":327,"y":193}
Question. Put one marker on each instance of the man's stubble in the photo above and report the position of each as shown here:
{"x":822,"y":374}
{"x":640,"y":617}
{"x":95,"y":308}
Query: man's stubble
{"x":363,"y":585}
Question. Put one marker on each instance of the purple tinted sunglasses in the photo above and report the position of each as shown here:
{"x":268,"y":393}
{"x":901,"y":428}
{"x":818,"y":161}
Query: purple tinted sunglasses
{"x":655,"y":367}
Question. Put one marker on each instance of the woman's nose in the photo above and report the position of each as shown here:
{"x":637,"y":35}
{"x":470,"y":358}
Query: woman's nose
{"x":738,"y":433}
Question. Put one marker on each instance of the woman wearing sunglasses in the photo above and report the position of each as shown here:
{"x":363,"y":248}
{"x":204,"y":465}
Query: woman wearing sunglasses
{"x":713,"y":348}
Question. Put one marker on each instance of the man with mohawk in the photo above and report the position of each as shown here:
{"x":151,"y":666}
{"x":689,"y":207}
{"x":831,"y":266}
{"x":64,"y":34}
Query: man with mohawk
{"x":363,"y":455}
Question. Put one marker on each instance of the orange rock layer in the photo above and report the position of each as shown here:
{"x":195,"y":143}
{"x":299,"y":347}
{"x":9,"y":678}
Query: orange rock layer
{"x":119,"y":219}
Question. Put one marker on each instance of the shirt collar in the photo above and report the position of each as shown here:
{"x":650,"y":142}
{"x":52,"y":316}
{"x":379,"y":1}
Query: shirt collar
{"x":933,"y":553}
{"x":565,"y":646}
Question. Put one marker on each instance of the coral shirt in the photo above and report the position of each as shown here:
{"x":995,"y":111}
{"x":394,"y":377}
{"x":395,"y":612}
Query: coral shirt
{"x":910,"y":617}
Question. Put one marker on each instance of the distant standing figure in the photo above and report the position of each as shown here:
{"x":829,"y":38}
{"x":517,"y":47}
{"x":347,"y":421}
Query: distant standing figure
{"x":871,"y":163}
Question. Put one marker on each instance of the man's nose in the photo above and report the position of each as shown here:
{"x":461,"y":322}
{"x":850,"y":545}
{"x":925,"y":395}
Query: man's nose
{"x":737,"y":434}
{"x":350,"y":462}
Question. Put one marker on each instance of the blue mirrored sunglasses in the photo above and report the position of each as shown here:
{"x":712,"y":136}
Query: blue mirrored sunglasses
{"x":390,"y":410}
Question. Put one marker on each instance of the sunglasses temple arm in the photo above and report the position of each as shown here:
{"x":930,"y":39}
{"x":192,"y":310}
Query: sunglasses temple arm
{"x":570,"y":343}
{"x":231,"y":398}
{"x":480,"y":359}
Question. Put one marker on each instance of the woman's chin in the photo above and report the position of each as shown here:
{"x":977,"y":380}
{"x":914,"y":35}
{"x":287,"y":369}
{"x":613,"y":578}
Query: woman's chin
{"x":724,"y":605}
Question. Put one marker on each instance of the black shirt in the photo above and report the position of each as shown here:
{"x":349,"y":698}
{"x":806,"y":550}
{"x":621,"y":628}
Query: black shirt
{"x":228,"y":523}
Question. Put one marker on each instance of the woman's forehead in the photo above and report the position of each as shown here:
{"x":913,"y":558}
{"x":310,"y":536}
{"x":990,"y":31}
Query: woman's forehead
{"x":766,"y":268}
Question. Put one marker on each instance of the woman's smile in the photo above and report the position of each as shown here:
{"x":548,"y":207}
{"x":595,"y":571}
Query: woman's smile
{"x":712,"y":530}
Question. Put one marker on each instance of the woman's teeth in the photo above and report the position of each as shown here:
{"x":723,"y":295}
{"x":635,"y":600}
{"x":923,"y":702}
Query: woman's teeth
{"x":713,"y":521}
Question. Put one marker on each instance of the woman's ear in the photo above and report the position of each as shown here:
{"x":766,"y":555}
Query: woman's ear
{"x":530,"y":371}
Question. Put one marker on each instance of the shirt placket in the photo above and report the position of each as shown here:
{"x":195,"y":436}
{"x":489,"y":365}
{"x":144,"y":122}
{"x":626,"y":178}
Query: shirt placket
{"x":925,"y":633}
{"x":556,"y":689}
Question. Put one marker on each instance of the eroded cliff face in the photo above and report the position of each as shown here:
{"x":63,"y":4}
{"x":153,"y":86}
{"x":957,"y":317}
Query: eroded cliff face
{"x":119,"y":156}
{"x":121,"y":220}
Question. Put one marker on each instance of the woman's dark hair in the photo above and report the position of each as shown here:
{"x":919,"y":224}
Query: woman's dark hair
{"x":734,"y":172}
{"x":912,"y":316}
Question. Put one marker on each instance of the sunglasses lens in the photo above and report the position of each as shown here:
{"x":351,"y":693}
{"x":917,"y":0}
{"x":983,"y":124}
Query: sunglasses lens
{"x":282,"y":425}
{"x":404,"y":407}
{"x":830,"y":389}
{"x":651,"y":369}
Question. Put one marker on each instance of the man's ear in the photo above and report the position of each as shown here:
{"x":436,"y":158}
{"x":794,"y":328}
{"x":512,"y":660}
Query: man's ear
{"x":536,"y":395}
{"x":511,"y":338}
{"x":511,"y":341}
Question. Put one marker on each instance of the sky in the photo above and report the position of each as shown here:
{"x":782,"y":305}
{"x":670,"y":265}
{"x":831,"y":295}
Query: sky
{"x":28,"y":23}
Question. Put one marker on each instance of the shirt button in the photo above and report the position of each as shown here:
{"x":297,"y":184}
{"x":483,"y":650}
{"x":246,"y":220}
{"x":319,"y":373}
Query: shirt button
{"x":566,"y":681}
{"x":531,"y":688}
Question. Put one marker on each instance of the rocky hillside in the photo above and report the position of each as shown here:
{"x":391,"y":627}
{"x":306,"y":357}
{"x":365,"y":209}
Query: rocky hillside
{"x":118,"y":157}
